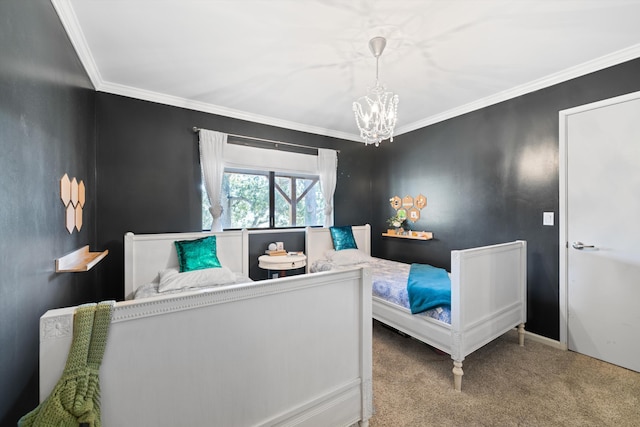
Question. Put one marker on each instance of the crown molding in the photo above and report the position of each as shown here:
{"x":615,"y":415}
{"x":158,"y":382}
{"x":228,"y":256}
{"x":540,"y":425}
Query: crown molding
{"x":176,"y":101}
{"x":598,"y":64}
{"x":71,"y":25}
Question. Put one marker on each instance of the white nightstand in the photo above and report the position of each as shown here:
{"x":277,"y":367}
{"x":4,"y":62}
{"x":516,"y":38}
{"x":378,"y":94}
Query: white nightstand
{"x":281,"y":264}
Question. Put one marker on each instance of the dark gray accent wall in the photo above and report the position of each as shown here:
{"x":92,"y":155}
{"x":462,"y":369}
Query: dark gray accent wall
{"x":148,"y":172}
{"x":488,"y":176}
{"x":46,"y":130}
{"x":259,"y":242}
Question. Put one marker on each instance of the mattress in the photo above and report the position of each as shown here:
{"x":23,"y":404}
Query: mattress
{"x":389,"y":283}
{"x":150,"y":290}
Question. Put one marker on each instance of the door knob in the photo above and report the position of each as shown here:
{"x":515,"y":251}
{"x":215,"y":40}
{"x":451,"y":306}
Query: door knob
{"x":580,"y":246}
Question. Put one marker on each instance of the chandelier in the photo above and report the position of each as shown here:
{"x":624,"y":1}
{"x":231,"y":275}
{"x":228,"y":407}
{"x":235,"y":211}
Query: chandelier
{"x":376,"y":112}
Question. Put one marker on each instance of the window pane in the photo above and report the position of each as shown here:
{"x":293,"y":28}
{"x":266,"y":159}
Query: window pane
{"x":245,"y":200}
{"x":298,"y":201}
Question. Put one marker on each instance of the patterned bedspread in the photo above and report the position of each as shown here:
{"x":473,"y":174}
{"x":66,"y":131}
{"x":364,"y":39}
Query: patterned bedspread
{"x":389,"y":283}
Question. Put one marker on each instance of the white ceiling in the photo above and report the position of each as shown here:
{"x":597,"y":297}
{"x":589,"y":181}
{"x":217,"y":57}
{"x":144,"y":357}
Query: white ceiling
{"x":300,"y":64}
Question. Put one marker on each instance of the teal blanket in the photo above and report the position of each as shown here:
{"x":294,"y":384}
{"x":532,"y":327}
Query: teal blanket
{"x":428,"y":287}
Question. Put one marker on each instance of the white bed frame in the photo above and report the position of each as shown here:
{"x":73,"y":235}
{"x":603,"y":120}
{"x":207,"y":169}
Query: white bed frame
{"x":488,"y":296}
{"x":147,"y":254}
{"x":282,"y":352}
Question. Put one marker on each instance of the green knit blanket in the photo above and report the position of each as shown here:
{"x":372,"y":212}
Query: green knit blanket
{"x":75,"y":399}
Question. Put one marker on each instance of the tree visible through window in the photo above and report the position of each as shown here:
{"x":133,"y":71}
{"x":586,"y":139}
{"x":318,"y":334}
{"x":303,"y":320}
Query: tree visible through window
{"x":245,"y":197}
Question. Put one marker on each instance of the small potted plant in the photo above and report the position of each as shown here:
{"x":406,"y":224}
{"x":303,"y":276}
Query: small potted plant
{"x":397,"y":222}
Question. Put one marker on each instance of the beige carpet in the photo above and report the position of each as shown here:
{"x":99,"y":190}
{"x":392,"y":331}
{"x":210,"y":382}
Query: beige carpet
{"x":503,"y":385}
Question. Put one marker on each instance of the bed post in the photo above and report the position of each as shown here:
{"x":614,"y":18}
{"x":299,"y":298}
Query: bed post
{"x":521,"y":334}
{"x":457,"y":375}
{"x":129,"y":274}
{"x":366,"y":343}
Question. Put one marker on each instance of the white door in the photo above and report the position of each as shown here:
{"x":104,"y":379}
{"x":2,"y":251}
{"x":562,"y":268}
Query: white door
{"x":602,"y":229}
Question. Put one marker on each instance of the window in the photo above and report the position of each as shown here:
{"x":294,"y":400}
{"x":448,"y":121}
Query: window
{"x":255,"y":199}
{"x":260,"y":187}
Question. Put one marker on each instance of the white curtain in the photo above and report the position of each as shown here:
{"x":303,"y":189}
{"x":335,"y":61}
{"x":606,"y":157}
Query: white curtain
{"x":327,"y":169}
{"x":212,"y":160}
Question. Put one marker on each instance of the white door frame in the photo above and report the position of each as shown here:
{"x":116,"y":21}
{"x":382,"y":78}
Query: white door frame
{"x":564,"y":246}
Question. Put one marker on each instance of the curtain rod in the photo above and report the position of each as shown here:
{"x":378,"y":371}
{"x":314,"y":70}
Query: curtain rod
{"x":197,"y":129}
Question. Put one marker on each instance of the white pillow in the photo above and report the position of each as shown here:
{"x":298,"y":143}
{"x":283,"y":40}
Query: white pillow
{"x":171,"y":279}
{"x":347,"y":256}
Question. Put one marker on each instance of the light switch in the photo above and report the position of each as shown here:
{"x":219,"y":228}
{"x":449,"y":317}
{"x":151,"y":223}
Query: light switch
{"x":547,"y":218}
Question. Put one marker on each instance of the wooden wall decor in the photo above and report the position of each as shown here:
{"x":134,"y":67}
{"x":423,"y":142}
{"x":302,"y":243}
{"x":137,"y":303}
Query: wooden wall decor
{"x":81,"y":196}
{"x":407,"y":202}
{"x":72,"y":194}
{"x":70,"y":218}
{"x":396,"y":202}
{"x":413,"y":214}
{"x":65,"y":190}
{"x":78,"y":217}
{"x":408,"y":207}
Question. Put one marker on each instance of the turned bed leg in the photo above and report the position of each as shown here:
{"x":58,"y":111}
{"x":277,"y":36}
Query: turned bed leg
{"x":457,"y":375}
{"x":521,"y":334}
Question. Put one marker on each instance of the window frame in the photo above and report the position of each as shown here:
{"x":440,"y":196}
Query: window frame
{"x":271,"y":177}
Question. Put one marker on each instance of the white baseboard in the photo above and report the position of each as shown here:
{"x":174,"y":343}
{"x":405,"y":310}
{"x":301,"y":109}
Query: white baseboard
{"x":544,"y":340}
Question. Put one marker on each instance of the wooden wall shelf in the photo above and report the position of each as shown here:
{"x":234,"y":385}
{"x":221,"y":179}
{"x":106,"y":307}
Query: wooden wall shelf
{"x":80,"y":260}
{"x":415,"y":235}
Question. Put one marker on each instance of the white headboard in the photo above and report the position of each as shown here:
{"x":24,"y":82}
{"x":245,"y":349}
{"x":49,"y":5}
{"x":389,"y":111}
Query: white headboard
{"x":147,"y":254}
{"x":318,"y":241}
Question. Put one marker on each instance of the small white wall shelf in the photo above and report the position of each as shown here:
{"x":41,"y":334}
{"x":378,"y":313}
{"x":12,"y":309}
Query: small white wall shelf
{"x":79,"y":260}
{"x":415,"y":235}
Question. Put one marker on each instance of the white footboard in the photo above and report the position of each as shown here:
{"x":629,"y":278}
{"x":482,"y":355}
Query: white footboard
{"x":488,"y":294}
{"x":293,"y":351}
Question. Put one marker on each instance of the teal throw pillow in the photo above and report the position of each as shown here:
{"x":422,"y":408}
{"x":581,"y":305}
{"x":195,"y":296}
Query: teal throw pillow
{"x":197,"y":254}
{"x":343,"y":238}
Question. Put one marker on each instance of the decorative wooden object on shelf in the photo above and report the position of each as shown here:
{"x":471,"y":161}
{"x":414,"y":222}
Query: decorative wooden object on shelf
{"x":415,"y":235}
{"x":79,"y":260}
